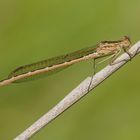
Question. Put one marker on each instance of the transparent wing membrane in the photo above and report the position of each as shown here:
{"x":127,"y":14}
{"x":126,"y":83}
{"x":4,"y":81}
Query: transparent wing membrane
{"x":50,"y":63}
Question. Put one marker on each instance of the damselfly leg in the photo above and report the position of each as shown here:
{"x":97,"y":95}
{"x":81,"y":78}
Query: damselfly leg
{"x":114,"y":56}
{"x":126,"y":51}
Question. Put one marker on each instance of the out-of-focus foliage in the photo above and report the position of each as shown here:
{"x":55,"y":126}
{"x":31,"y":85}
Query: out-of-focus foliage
{"x":35,"y":30}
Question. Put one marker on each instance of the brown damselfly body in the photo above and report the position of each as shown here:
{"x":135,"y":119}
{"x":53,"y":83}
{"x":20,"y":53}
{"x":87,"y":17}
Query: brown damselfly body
{"x":55,"y":64}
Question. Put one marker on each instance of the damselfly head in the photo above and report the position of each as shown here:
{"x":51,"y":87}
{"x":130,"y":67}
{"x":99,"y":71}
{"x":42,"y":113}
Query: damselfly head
{"x":126,"y":43}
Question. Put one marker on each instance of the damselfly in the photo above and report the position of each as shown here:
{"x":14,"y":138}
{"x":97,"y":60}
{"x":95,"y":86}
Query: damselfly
{"x":55,"y":64}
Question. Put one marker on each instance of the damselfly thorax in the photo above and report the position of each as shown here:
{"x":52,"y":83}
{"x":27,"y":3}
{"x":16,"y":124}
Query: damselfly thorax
{"x":112,"y":47}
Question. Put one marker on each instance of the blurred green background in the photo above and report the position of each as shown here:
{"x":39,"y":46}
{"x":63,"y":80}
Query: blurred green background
{"x":35,"y":30}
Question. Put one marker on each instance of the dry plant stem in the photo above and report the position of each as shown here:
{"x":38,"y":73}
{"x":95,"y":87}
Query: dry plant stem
{"x":77,"y":94}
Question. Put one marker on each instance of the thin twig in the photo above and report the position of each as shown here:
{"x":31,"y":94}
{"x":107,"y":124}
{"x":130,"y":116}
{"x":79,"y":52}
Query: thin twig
{"x":77,"y":94}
